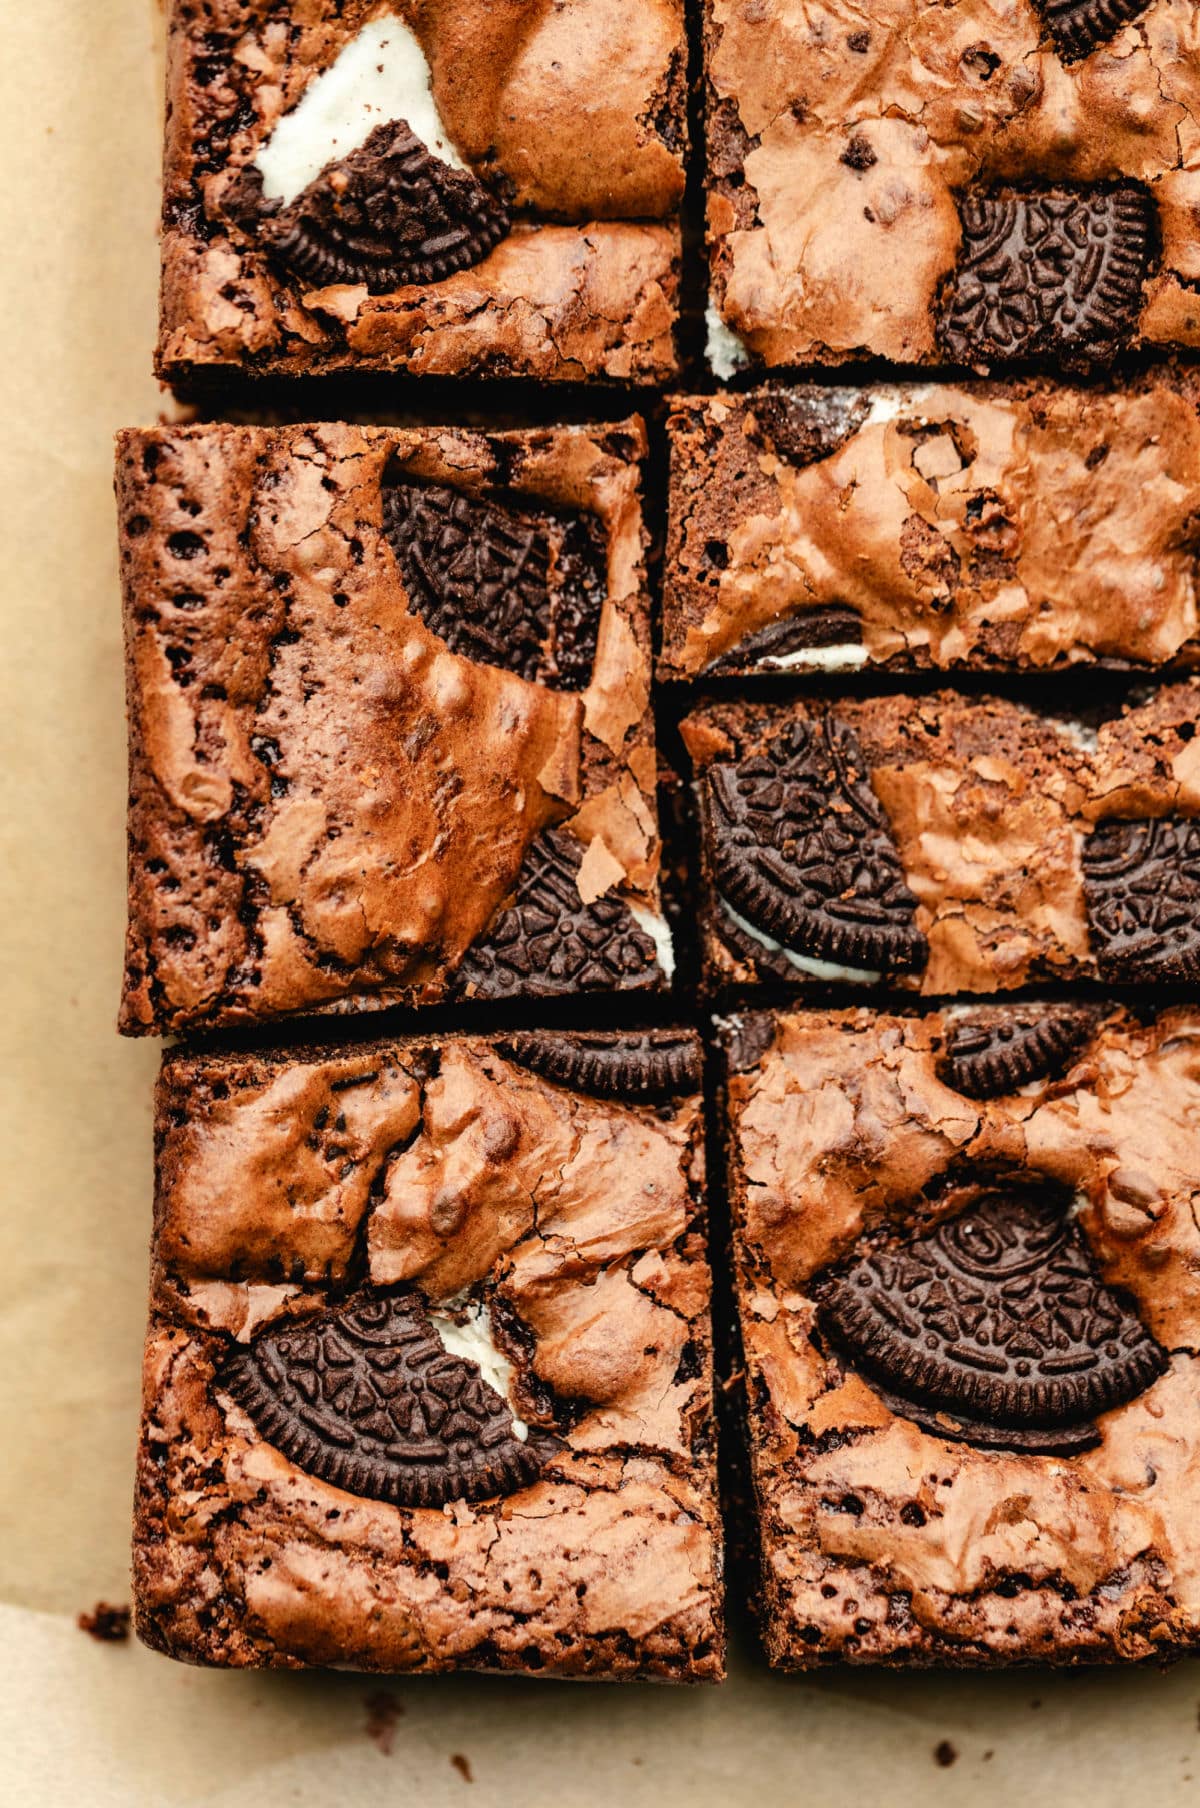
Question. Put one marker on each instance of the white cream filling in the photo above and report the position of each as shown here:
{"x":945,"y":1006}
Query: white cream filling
{"x":846,"y":657}
{"x":381,"y":75}
{"x":892,"y":400}
{"x":725,"y":350}
{"x":805,"y":963}
{"x":472,"y":1340}
{"x":659,"y":931}
{"x":1086,"y":739}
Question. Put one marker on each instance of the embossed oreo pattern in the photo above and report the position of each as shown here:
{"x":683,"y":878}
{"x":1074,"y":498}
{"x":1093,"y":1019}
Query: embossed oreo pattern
{"x":1077,"y":27}
{"x":1060,"y":272}
{"x":1141,"y":887}
{"x":987,"y":1055}
{"x":998,"y":1320}
{"x":388,"y":215}
{"x":801,"y":848}
{"x":655,"y":1064}
{"x":548,"y":943}
{"x":506,"y":586}
{"x":368,"y":1399}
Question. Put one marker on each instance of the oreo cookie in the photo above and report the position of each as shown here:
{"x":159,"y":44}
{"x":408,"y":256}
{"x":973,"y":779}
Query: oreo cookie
{"x":549,"y":944}
{"x":832,"y":625}
{"x":994,"y":1329}
{"x":801,"y":849}
{"x":388,"y":215}
{"x":1057,"y":273}
{"x":506,"y":585}
{"x":1141,"y":890}
{"x":988,"y":1053}
{"x":367,"y":1398}
{"x":805,"y":425}
{"x":651,"y":1065}
{"x":1077,"y":27}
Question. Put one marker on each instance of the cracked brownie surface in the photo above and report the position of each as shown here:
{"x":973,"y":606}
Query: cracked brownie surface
{"x":948,"y":844}
{"x":979,"y":525}
{"x":970,"y":1335}
{"x":448,"y":187}
{"x":971,"y":184}
{"x":428,"y":1371}
{"x":390,"y":729}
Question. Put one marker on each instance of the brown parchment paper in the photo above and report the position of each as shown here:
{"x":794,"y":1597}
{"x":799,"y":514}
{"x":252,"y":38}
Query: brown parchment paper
{"x":84,"y":1723}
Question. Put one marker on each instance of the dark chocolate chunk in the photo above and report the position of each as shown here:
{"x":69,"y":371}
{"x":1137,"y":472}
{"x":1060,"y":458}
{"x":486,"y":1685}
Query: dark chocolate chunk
{"x":652,"y":1064}
{"x":1076,"y":27}
{"x":989,"y":1053}
{"x":1058,"y":273}
{"x":509,"y":586}
{"x":389,"y":214}
{"x":548,"y":944}
{"x":801,"y":849}
{"x":368,"y":1398}
{"x":832,"y":625}
{"x":747,"y":1039}
{"x":994,"y":1329}
{"x":1141,"y":889}
{"x":807,"y":424}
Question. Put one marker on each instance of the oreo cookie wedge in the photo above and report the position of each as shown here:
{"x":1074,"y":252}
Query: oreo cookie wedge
{"x":368,"y":1398}
{"x":504,"y":584}
{"x":388,"y":215}
{"x":650,"y":1065}
{"x":1077,"y":27}
{"x":802,"y":852}
{"x":1058,"y":272}
{"x":988,"y":1053}
{"x":993,"y":1329}
{"x":1141,"y":889}
{"x":797,"y":640}
{"x":547,"y":943}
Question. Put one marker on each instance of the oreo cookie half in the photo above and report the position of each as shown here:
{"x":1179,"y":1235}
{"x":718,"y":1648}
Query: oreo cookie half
{"x":655,"y":1064}
{"x":367,"y":1398}
{"x":389,"y":214}
{"x":989,"y":1053}
{"x":1077,"y":27}
{"x":549,"y":944}
{"x":833,"y":625}
{"x":1056,"y":273}
{"x":507,"y":586}
{"x":1141,"y":890}
{"x":802,"y":850}
{"x":994,"y":1329}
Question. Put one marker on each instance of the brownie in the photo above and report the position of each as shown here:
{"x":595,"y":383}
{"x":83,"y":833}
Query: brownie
{"x":949,"y":844}
{"x":446,"y":187}
{"x":989,"y":525}
{"x":389,"y":719}
{"x":966,"y":1247}
{"x":971,"y":184}
{"x":428,"y":1375}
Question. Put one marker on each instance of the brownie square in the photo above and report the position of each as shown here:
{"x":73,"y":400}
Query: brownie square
{"x":966,"y":1250}
{"x":428,"y":1379}
{"x":390,"y":735}
{"x":1020,"y":525}
{"x":948,"y":844}
{"x":970,"y":184}
{"x":455,"y":189}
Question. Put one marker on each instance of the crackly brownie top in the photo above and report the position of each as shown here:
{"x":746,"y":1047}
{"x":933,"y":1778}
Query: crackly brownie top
{"x":950,"y":843}
{"x":438,"y":1313}
{"x":388,"y":705}
{"x":956,"y":1301}
{"x":832,"y":528}
{"x":970,"y":183}
{"x":319,"y":164}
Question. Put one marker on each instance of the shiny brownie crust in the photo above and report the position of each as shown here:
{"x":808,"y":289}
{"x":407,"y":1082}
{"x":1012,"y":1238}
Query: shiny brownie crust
{"x":390,"y":736}
{"x":890,"y":1535}
{"x":573,"y":115}
{"x":316,"y":1212}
